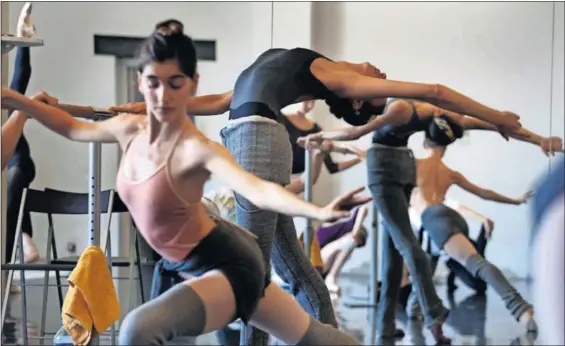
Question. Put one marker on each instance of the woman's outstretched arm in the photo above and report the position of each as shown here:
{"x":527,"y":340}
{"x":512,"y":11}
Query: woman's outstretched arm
{"x":397,"y":113}
{"x":213,"y":104}
{"x":267,"y":195}
{"x":40,"y":107}
{"x":549,"y":145}
{"x":460,"y":180}
{"x":351,"y":84}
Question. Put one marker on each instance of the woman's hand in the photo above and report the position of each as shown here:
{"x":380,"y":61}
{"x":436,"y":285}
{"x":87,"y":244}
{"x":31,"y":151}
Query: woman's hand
{"x":346,"y":134}
{"x":133,"y":108}
{"x":333,"y":211}
{"x":551,"y":145}
{"x":347,"y":148}
{"x":525,"y":197}
{"x":8,"y":96}
{"x":46,"y":98}
{"x":489,"y":227}
{"x":508,"y":122}
{"x":318,"y":141}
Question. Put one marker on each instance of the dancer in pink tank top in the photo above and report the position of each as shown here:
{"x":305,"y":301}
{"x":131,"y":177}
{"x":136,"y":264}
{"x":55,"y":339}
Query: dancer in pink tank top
{"x":166,"y":162}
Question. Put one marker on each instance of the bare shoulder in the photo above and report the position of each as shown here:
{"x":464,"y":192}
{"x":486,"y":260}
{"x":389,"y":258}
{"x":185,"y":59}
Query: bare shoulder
{"x":400,"y":106}
{"x":455,"y":176}
{"x":330,"y":73}
{"x":126,"y":126}
{"x":201,"y":148}
{"x":426,"y":110}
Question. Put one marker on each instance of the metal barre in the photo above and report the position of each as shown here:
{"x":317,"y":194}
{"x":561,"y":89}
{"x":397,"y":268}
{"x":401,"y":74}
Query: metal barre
{"x":308,"y":232}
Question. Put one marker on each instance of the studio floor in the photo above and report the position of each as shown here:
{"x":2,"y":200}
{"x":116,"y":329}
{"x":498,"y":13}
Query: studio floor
{"x":473,"y":320}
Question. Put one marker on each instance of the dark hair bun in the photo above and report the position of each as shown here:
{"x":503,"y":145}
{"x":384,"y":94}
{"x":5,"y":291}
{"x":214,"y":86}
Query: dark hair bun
{"x":343,"y":108}
{"x":168,"y":42}
{"x":443,"y":130}
{"x":169,"y":27}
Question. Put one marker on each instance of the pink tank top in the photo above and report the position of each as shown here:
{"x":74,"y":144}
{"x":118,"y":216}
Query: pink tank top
{"x":170,"y":225}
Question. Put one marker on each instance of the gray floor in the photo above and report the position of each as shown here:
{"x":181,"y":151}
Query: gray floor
{"x":473,"y":320}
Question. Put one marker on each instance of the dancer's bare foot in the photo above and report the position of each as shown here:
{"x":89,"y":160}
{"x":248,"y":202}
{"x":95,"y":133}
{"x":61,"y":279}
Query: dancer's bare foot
{"x":25,"y":27}
{"x":528,"y":321}
{"x":31,"y":254}
{"x":359,"y":236}
{"x":333,"y":287}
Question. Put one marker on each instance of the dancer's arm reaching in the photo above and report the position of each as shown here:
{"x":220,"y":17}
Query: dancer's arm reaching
{"x":42,"y":107}
{"x":549,"y":145}
{"x":400,"y":111}
{"x":353,"y":84}
{"x":460,"y":180}
{"x":213,"y":104}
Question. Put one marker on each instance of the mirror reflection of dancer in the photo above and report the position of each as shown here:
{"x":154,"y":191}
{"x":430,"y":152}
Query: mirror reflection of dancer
{"x":447,"y":229}
{"x":298,"y":124}
{"x":456,"y":270}
{"x":391,"y":176}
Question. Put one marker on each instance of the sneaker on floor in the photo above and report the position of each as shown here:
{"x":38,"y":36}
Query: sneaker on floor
{"x":25,"y":27}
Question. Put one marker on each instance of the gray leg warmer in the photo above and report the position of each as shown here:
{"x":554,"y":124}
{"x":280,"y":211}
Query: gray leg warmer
{"x":483,"y":269}
{"x":324,"y":334}
{"x":178,"y":312}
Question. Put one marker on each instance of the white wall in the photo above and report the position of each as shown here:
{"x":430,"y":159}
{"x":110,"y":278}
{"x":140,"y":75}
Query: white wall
{"x":498,"y":53}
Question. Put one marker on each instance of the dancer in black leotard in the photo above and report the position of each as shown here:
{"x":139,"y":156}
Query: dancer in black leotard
{"x":16,"y":153}
{"x":392,"y":176}
{"x":259,"y":143}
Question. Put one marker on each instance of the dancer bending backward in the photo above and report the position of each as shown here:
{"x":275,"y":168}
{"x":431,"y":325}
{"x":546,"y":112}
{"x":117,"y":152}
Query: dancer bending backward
{"x":447,"y":229}
{"x":259,"y":142}
{"x":165,"y":163}
{"x":391,"y":172}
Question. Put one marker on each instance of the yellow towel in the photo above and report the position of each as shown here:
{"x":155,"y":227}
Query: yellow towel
{"x":91,"y":302}
{"x":315,"y":252}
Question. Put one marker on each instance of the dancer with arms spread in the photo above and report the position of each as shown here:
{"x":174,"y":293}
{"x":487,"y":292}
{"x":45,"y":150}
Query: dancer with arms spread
{"x":165,"y":164}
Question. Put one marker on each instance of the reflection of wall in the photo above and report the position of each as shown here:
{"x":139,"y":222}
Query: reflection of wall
{"x":498,"y":53}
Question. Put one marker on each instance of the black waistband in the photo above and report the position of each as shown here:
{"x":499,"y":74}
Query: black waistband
{"x":252,"y":108}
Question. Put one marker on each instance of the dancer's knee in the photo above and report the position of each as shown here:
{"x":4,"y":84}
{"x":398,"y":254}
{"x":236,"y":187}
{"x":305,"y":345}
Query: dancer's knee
{"x":139,"y":328}
{"x":475,"y":264}
{"x":161,"y":320}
